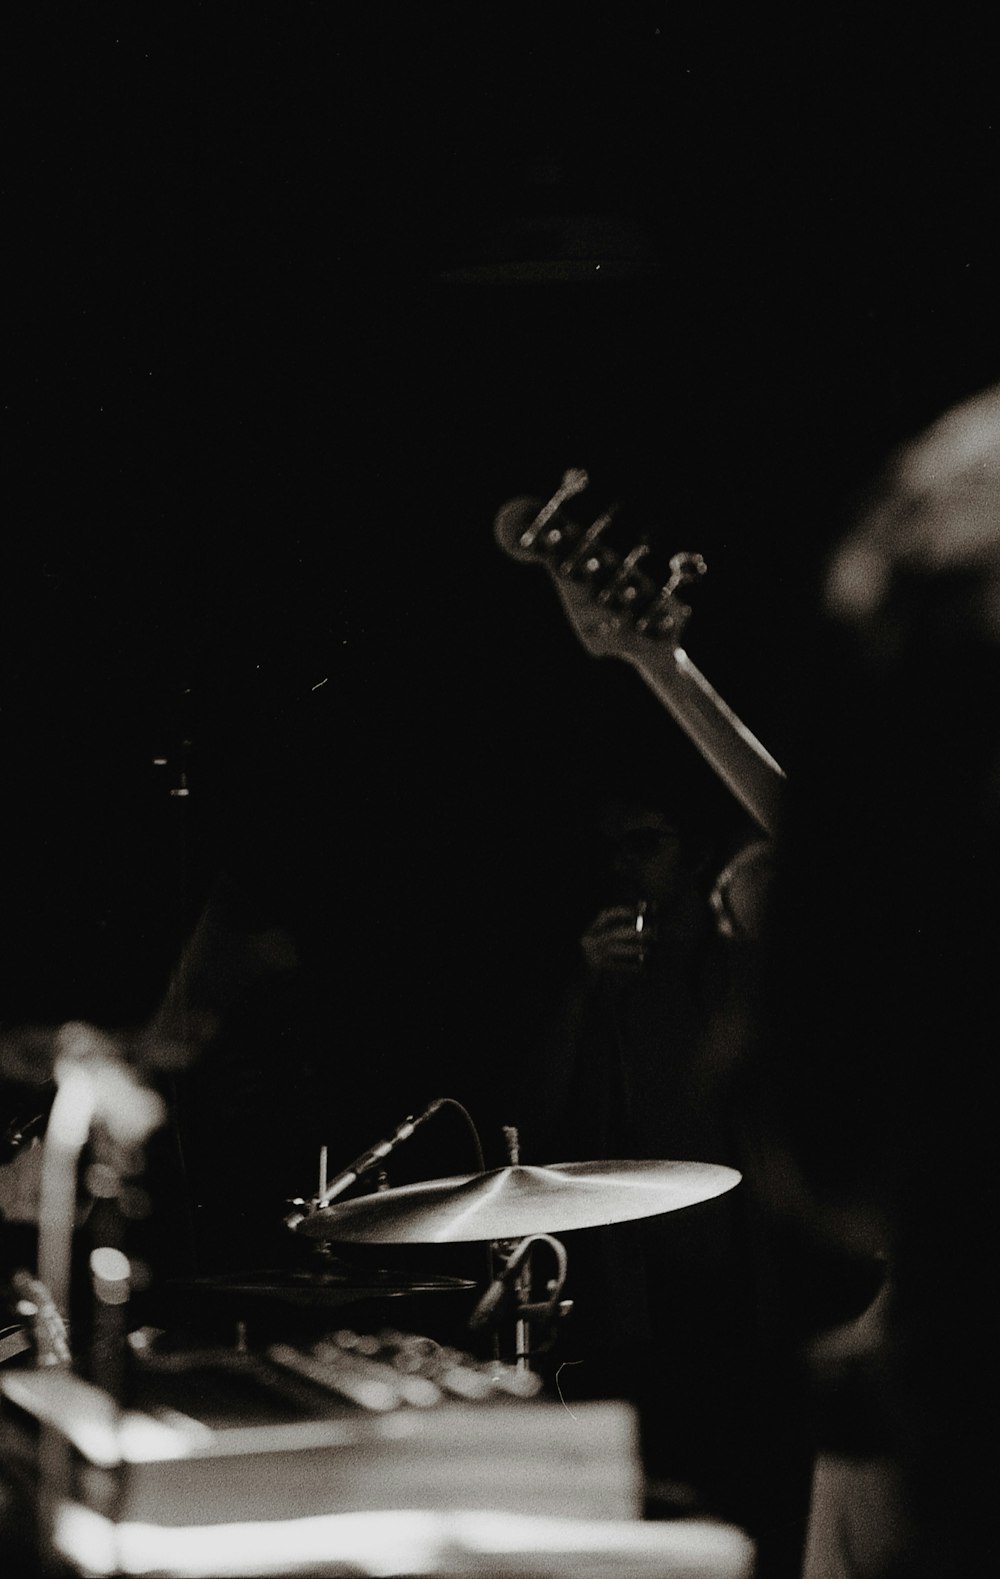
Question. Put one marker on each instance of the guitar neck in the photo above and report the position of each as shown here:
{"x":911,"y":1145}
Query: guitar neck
{"x":728,"y":746}
{"x":602,"y":592}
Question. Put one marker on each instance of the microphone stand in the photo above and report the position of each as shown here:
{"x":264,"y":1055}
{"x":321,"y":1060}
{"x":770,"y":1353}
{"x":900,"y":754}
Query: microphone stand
{"x":516,"y":1275}
{"x":522,"y":1282}
{"x":359,"y":1167}
{"x":522,"y":1326}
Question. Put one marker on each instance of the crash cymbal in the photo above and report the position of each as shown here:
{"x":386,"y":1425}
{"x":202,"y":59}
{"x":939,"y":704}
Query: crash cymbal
{"x":337,"y":1286}
{"x":509,"y":1202}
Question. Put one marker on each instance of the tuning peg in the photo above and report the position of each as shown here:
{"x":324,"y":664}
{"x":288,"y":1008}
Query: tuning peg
{"x":573,"y":482}
{"x":632,"y":560}
{"x":622,"y":588}
{"x":584,"y":556}
{"x":684,"y":568}
{"x":666,"y":615}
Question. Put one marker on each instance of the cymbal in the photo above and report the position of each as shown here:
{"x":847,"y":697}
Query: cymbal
{"x":339,"y":1286}
{"x":506,"y":1203}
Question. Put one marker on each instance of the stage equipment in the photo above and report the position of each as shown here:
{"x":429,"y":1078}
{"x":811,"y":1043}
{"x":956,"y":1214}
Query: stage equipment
{"x":506,"y":1203}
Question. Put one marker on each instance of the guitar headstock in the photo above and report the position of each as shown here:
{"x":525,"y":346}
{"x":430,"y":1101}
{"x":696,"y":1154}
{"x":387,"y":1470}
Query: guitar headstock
{"x":616,"y":607}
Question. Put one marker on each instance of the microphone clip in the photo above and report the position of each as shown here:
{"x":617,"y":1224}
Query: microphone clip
{"x":513,"y":1281}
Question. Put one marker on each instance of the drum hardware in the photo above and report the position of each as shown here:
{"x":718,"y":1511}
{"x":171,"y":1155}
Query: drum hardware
{"x":372,"y":1158}
{"x":408,"y":1389}
{"x":501,"y":1204}
{"x":514,"y":1281}
{"x":369,"y":1166}
{"x":511,"y":1268}
{"x":335,"y":1283}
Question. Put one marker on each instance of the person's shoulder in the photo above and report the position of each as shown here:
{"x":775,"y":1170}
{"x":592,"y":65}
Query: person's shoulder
{"x":741,"y":893}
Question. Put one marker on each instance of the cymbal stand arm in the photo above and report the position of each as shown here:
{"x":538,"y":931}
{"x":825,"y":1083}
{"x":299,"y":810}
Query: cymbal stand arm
{"x":522,"y":1339}
{"x":522,"y":1326}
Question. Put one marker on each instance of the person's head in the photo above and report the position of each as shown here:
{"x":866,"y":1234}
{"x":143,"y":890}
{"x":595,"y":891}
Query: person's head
{"x":651,"y":820}
{"x":645,"y":849}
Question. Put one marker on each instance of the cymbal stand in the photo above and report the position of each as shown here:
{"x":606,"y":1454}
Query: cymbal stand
{"x":518,"y":1262}
{"x":522,"y":1331}
{"x":322,"y":1250}
{"x":522,"y":1326}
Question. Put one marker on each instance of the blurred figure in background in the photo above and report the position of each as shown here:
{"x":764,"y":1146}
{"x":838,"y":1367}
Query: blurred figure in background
{"x":665,"y":1311}
{"x":871,"y":1080}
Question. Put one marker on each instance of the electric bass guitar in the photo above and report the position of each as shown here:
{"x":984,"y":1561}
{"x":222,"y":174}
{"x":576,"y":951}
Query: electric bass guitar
{"x":618,"y":609}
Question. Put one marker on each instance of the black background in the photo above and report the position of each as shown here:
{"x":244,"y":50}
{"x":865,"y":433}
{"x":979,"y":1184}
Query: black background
{"x":256,"y":439}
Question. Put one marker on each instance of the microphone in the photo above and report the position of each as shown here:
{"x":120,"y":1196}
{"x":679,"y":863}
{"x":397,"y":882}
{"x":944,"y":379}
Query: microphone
{"x":375,"y":1154}
{"x":497,"y":1290}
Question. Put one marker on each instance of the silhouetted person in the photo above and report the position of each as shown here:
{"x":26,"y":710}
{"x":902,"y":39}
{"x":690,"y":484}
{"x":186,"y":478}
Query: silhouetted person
{"x":875,"y":1060}
{"x":665,"y":1310}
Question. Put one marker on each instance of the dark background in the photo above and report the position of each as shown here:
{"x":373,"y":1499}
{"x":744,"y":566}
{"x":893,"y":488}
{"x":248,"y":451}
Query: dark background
{"x":279,"y":352}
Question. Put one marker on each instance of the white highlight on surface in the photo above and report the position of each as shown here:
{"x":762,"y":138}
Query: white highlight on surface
{"x":407,"y":1542}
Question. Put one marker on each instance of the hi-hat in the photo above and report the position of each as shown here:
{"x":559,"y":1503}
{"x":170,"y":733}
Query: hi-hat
{"x":506,"y":1203}
{"x":336,"y":1286}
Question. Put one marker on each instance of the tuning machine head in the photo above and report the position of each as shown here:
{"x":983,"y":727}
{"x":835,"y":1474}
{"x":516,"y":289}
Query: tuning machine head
{"x":611,"y":598}
{"x":574,"y":481}
{"x":626,"y":586}
{"x":666,"y":615}
{"x":684,"y":568}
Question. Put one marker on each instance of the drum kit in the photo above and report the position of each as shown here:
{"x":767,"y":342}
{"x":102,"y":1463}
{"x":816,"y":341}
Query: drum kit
{"x":380,"y":1396}
{"x":514,"y":1210}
